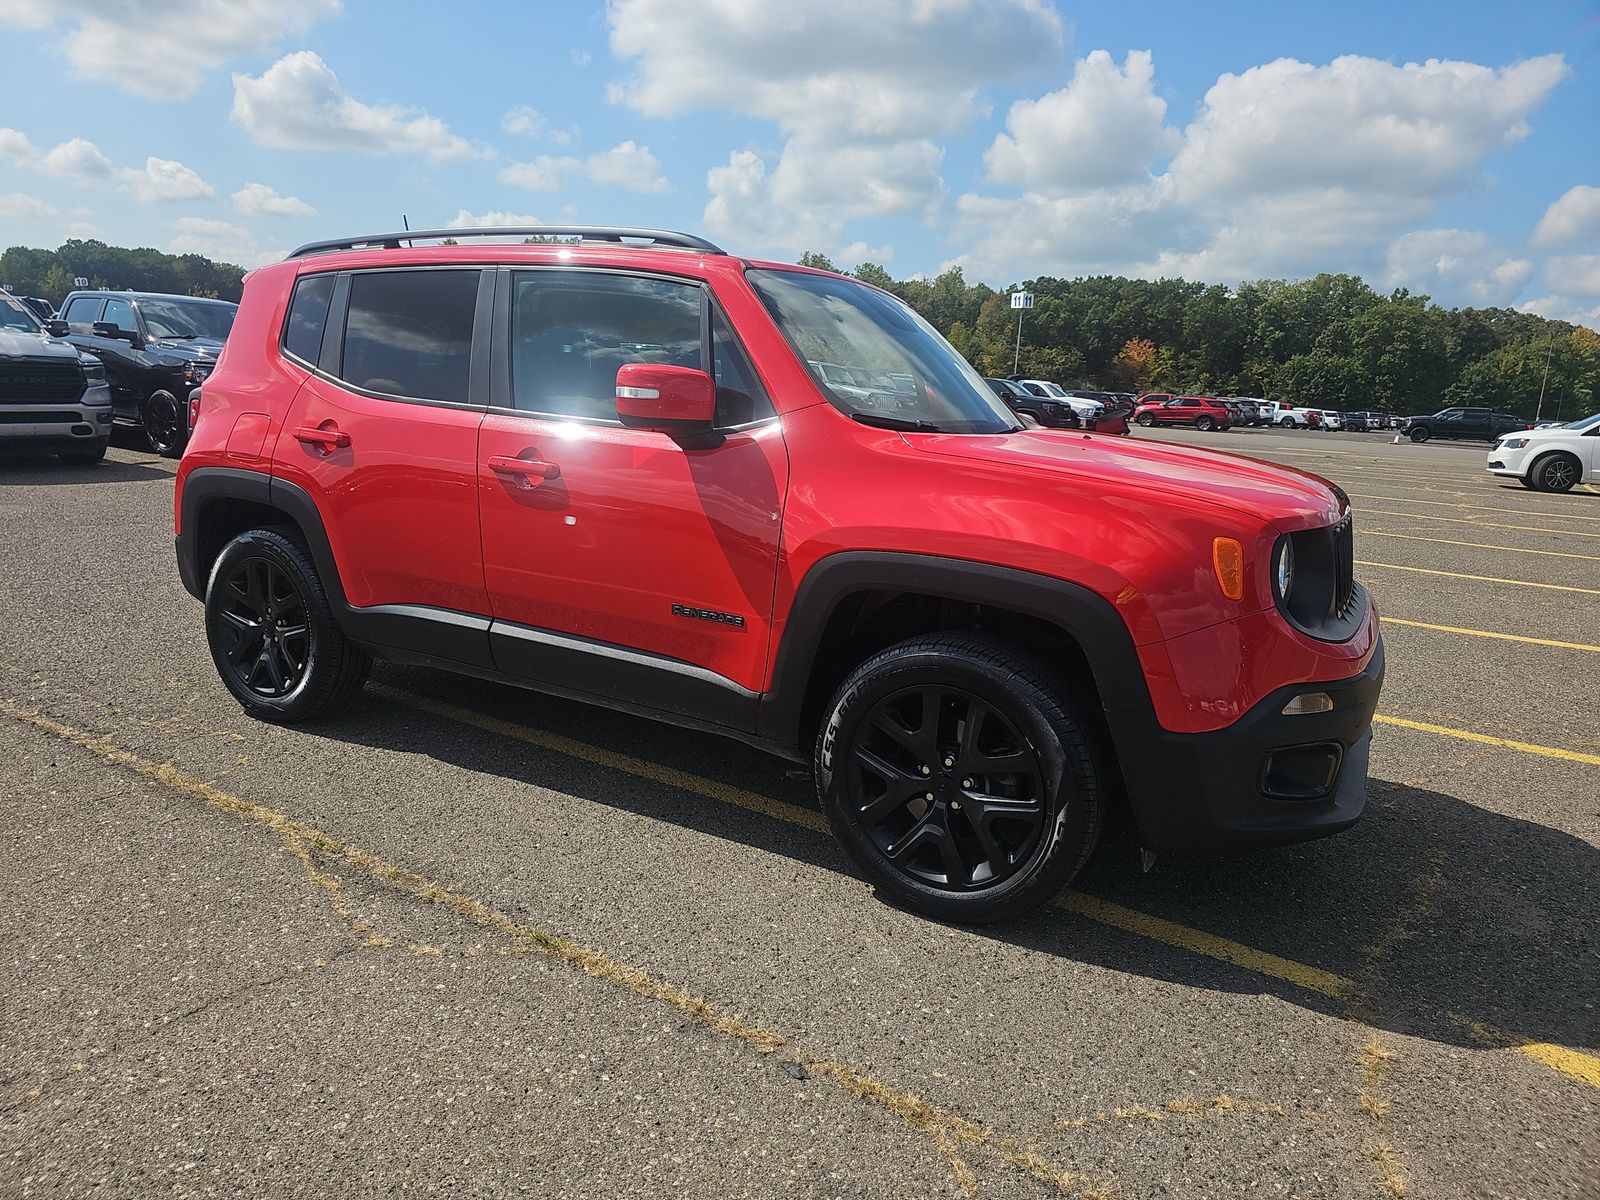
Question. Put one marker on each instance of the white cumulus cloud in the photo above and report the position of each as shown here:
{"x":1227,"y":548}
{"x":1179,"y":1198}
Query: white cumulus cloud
{"x":257,"y":200}
{"x":1459,"y":263}
{"x":1574,"y":274}
{"x":488,"y":220}
{"x":221,"y":241}
{"x":1102,"y":130}
{"x":163,"y":179}
{"x":19,"y":206}
{"x":859,"y":90}
{"x":162,"y":49}
{"x":299,"y":104}
{"x":85,"y":163}
{"x":1571,"y":220}
{"x":626,"y":165}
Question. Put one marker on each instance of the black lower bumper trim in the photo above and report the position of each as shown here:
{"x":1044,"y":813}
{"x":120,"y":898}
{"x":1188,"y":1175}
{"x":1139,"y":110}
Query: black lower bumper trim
{"x":1209,"y":791}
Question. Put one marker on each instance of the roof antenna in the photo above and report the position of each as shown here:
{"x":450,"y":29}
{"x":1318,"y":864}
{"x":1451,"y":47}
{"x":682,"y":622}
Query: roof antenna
{"x":407,"y":223}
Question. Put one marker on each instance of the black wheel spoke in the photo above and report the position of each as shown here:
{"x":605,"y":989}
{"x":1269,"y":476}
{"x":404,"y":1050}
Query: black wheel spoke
{"x":263,"y":627}
{"x":899,"y":785}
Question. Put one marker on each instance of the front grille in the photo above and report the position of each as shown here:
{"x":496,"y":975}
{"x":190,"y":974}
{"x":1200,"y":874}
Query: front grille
{"x":1344,"y":565}
{"x":43,"y":382}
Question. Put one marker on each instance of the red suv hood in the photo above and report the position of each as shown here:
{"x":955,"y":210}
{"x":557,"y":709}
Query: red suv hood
{"x":1295,"y":499}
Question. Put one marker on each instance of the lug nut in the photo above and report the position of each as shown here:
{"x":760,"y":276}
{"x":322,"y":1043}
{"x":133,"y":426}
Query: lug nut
{"x":928,"y":797}
{"x":949,"y":762}
{"x":966,"y":783}
{"x":956,"y":804}
{"x":925,"y":769}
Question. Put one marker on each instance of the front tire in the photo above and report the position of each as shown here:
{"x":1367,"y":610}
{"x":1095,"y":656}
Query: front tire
{"x":1555,"y":473}
{"x":163,"y":420}
{"x":957,"y":775}
{"x":1419,"y":435}
{"x":272,"y":632}
{"x":1145,"y":419}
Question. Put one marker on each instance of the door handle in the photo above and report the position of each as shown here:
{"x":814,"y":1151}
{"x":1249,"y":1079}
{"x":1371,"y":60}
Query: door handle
{"x":531,"y":471}
{"x":326,"y":439}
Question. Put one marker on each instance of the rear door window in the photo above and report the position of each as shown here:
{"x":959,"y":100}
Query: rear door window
{"x":84,"y":312}
{"x":408,"y":334}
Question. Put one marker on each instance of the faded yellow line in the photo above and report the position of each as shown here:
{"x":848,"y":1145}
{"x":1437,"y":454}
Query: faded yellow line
{"x":1516,"y":512}
{"x":948,"y":1131}
{"x":1413,"y":537}
{"x":1208,"y":945}
{"x":1487,"y":739}
{"x":1104,"y":912}
{"x":1554,"y":587}
{"x":1484,"y":633}
{"x":641,"y":768}
{"x":1473,"y":521}
{"x":1569,"y":1062}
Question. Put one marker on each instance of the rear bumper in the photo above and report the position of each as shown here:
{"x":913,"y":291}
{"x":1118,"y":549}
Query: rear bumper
{"x":1265,"y":780}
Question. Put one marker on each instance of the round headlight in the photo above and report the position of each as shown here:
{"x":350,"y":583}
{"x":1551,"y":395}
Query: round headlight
{"x":1283,"y":568}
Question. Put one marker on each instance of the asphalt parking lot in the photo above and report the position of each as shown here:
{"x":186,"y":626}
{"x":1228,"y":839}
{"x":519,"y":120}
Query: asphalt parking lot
{"x":472,"y":941}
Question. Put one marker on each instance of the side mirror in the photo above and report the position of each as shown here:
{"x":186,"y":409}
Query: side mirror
{"x":680,"y":401}
{"x":107,"y":330}
{"x":57,"y":328}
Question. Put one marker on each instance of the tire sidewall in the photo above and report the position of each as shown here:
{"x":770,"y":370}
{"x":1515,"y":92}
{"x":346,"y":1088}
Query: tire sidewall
{"x":1541,"y":468}
{"x":275,"y":548}
{"x":175,"y":449}
{"x":1066,"y":777}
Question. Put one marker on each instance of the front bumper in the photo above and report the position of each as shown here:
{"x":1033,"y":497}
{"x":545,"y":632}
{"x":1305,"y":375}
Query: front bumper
{"x":1265,"y":780}
{"x":49,"y":428}
{"x":1512,"y":463}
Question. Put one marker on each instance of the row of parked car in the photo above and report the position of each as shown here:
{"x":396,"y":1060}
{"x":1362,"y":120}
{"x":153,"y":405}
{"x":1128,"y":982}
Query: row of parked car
{"x":130,"y":358}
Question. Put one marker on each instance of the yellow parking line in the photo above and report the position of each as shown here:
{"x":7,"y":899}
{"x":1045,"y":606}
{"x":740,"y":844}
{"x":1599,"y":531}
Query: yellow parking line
{"x":1516,"y":512}
{"x":1196,"y":941}
{"x":1484,"y":633}
{"x":1208,"y":945}
{"x":1413,"y":537}
{"x":1555,"y":587}
{"x":1473,"y":521}
{"x":1589,"y":487}
{"x":1486,"y":739}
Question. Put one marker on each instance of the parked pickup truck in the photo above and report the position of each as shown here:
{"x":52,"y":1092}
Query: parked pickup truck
{"x":1287,"y":416}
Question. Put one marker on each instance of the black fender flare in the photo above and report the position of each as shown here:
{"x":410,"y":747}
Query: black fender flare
{"x":1088,"y":618}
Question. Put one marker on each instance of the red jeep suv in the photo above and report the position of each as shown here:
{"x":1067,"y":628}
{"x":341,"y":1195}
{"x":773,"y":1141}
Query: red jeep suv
{"x":607,"y":466}
{"x":1163,"y":408}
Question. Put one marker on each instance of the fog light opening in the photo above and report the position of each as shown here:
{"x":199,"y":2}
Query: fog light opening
{"x":1308,"y":702}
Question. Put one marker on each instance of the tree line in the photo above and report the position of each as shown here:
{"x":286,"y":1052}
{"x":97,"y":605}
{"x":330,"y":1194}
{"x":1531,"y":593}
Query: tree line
{"x":25,"y":271}
{"x":1328,"y":342}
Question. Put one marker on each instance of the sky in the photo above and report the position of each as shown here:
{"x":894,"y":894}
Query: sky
{"x":1452,"y":149}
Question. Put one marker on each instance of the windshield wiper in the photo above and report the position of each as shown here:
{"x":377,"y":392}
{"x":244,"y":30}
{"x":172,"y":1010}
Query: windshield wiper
{"x":884,"y":421}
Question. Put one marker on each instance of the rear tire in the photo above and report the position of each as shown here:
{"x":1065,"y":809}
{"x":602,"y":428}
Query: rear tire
{"x":1555,"y":473}
{"x":1204,"y":424}
{"x":986,"y":732}
{"x":1286,"y":423}
{"x":272,"y":632}
{"x":164,"y":420}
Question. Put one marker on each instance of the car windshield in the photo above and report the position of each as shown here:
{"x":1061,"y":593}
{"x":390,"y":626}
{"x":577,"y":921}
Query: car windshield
{"x":187,"y":318}
{"x":14,"y":314}
{"x":1585,"y":422}
{"x":914,"y":378}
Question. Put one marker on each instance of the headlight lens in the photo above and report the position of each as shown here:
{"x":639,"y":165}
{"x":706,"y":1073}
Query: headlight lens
{"x":93,"y":369}
{"x":1513,"y":443}
{"x":1283,"y":568}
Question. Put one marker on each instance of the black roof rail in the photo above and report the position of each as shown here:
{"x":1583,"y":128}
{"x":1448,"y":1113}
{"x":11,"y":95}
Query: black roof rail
{"x":588,"y":233}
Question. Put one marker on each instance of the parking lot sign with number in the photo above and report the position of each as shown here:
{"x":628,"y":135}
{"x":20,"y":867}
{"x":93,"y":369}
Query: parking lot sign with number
{"x":1021,"y":299}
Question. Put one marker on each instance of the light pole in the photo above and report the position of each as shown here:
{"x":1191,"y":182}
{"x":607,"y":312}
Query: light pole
{"x":1543,"y":378}
{"x":1021,"y":301}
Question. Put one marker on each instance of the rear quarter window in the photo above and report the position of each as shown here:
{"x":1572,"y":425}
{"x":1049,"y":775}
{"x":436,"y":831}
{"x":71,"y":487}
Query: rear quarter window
{"x":308,"y":316}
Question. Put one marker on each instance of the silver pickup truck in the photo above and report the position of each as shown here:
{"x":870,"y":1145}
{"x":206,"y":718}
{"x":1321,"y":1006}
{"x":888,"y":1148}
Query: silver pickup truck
{"x":53,"y":397}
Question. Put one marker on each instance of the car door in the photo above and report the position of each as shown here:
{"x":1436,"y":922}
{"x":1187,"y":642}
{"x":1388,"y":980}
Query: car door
{"x":1178,"y":411}
{"x":124,"y":359}
{"x":382,"y":435}
{"x":623,"y":563}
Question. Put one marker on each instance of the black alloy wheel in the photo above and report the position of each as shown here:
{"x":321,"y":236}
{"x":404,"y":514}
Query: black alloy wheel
{"x":946,"y":787}
{"x":955,"y":771}
{"x":163,"y":424}
{"x":272,"y":632}
{"x":1419,"y":435}
{"x":265,"y":632}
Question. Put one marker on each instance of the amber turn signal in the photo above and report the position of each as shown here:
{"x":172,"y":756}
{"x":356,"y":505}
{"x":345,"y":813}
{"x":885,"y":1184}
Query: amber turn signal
{"x":1227,"y":557}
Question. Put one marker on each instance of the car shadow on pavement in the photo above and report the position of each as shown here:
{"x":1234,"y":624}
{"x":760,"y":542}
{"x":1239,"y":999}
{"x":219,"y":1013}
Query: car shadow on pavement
{"x":45,"y":470}
{"x":1440,"y":913}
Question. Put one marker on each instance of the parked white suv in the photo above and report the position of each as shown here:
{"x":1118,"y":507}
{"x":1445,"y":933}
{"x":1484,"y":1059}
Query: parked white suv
{"x":1549,"y":460}
{"x":1086,"y":408}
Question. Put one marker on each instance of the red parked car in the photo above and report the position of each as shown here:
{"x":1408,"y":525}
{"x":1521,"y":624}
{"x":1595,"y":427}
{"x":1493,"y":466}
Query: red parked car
{"x":1163,"y":408}
{"x":609,"y":468}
